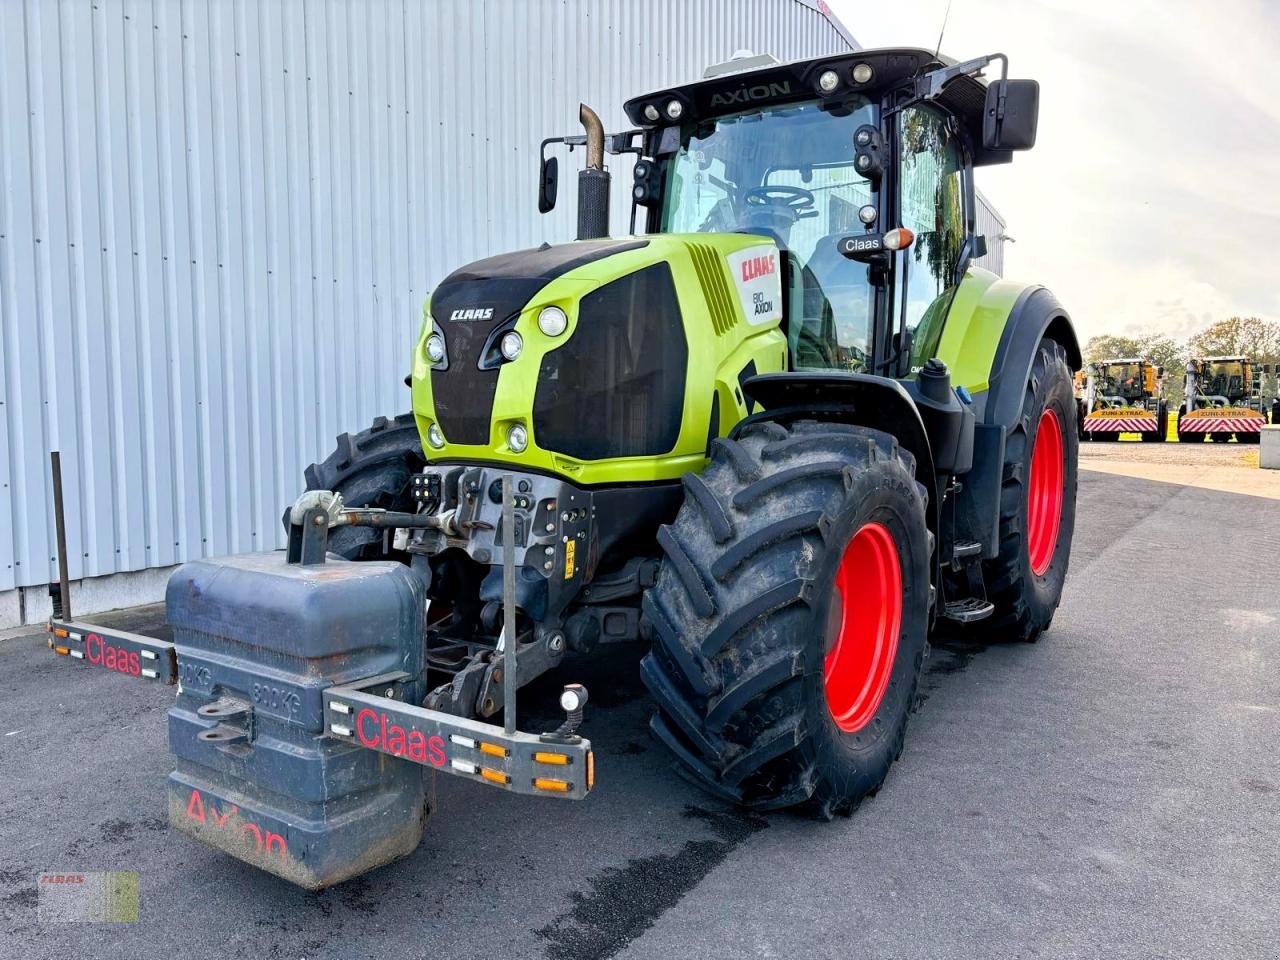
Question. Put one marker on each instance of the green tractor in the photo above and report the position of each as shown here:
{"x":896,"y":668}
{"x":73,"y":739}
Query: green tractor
{"x":782,"y":433}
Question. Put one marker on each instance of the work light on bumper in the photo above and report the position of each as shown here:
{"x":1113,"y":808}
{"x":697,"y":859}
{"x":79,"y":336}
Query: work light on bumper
{"x":517,"y":438}
{"x":435,"y":436}
{"x":553,"y":321}
{"x":511,"y":345}
{"x":435,"y":348}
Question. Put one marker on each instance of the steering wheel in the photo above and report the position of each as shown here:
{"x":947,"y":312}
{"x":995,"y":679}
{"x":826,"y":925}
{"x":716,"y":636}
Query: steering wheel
{"x":797,"y":200}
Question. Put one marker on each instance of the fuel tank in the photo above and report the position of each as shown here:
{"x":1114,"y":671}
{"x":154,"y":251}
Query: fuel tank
{"x":258,"y":640}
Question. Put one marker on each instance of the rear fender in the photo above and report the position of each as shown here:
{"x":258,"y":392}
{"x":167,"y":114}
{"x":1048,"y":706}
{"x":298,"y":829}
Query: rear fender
{"x":993,"y":332}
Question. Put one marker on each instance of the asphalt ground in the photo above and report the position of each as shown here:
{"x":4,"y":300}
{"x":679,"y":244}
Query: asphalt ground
{"x":1112,"y":791}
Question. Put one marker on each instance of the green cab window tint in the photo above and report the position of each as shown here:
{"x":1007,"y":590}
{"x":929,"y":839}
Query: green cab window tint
{"x":931,"y":201}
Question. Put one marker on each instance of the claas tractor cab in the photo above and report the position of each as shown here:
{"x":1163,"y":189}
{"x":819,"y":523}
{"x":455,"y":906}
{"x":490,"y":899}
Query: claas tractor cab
{"x":1125,"y":395}
{"x":781,"y":429}
{"x":1224,"y":397}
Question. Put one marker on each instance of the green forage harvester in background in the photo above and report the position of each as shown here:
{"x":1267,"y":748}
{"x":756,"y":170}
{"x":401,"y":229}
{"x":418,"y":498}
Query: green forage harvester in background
{"x":780,"y":429}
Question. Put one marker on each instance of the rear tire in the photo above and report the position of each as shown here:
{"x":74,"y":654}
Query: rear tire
{"x":372,"y":468}
{"x":1025,"y":600}
{"x":755,"y":591}
{"x":1161,"y":432}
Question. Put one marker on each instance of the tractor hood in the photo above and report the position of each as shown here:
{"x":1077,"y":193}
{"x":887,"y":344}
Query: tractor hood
{"x":637,"y":370}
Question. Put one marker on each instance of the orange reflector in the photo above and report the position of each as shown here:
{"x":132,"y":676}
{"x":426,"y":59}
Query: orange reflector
{"x":496,"y":776}
{"x":492,"y":749}
{"x":898,"y":239}
{"x":61,"y":650}
{"x":60,"y":632}
{"x":559,"y":759}
{"x":591,"y":769}
{"x":546,"y":783}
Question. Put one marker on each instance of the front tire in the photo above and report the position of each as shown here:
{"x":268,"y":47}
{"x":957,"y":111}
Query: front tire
{"x":372,"y":468}
{"x":1037,"y":505}
{"x":790,"y":614}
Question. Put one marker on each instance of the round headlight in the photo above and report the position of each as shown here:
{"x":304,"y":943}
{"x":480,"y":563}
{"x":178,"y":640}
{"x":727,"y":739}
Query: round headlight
{"x":651,"y":113}
{"x":675,"y":109}
{"x":862,"y":138}
{"x":552,"y":321}
{"x":435,"y":348}
{"x":517,"y":438}
{"x":867,"y":214}
{"x":828,"y":81}
{"x":511,"y":345}
{"x":434,"y":436}
{"x":863,"y":161}
{"x":862,"y":73}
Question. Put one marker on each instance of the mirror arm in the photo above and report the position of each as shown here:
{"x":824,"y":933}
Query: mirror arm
{"x":929,"y":87}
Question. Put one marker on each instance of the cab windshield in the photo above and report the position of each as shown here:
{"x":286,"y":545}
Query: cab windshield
{"x":1225,"y":379}
{"x":787,"y":173}
{"x":1122,"y":380}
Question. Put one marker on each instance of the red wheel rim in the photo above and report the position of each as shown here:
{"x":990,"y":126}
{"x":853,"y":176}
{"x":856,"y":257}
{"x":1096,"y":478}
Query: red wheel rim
{"x":866,"y":617}
{"x":1044,"y":493}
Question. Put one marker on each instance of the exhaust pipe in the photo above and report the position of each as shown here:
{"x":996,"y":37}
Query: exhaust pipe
{"x":593,"y":180}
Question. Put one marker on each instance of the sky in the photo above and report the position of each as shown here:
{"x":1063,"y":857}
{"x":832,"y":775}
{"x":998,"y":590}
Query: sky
{"x":1151,"y":202}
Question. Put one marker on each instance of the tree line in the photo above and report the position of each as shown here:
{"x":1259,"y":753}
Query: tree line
{"x":1236,"y":336}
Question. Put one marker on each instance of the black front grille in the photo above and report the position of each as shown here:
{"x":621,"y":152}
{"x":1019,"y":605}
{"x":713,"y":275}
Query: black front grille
{"x":616,"y":388}
{"x":466,"y":311}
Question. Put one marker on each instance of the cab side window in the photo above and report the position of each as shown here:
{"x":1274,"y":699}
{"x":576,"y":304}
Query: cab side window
{"x":931,"y":201}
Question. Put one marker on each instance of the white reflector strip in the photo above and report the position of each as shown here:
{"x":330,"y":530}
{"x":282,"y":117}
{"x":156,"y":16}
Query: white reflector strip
{"x":462,"y":742}
{"x":150,"y":654}
{"x":463,"y":765}
{"x":77,"y":654}
{"x":74,"y":636}
{"x":340,"y":730}
{"x":149,"y":673}
{"x":339,"y":707}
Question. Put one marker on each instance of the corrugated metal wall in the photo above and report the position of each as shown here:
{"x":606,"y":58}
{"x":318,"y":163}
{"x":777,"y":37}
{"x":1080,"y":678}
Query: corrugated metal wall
{"x":219,"y":220}
{"x":991,"y":225}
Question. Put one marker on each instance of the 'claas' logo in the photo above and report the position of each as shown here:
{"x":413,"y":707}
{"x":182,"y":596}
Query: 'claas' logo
{"x":758,"y":266}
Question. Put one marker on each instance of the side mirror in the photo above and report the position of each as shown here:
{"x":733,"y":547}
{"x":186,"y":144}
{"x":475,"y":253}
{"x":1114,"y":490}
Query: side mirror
{"x":1010,"y":116}
{"x":1159,"y":373}
{"x":548,"y":184}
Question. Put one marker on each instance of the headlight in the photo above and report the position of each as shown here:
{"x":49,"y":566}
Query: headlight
{"x":517,"y":438}
{"x":828,"y":81}
{"x":511,"y":345}
{"x":863,"y":73}
{"x":434,"y":436}
{"x":675,"y":109}
{"x":552,"y":321}
{"x":435,"y":348}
